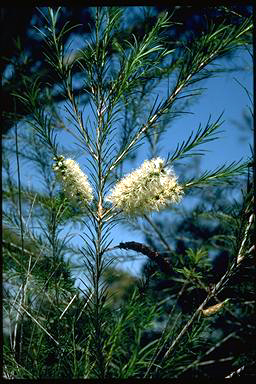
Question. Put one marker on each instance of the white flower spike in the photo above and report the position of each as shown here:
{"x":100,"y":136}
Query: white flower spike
{"x":75,"y":182}
{"x":149,"y":188}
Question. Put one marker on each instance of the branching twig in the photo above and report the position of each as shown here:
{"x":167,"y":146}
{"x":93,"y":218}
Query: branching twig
{"x":161,"y":237}
{"x":32,"y":317}
{"x":160,"y":343}
{"x":22,"y":237}
{"x":11,"y":246}
{"x":217,"y":345}
{"x":241,"y":250}
{"x":198,"y":311}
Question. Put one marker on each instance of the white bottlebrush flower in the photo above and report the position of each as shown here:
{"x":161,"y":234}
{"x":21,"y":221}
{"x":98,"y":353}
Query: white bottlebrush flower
{"x":75,"y":182}
{"x":149,"y":188}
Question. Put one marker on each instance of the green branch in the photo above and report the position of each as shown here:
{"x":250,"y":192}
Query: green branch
{"x":202,"y":136}
{"x":222,"y":174}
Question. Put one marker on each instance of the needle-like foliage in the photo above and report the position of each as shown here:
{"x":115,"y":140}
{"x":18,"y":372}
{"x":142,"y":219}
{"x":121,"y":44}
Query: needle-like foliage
{"x":56,"y":328}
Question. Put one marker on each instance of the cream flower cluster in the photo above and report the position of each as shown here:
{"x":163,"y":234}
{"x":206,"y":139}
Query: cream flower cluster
{"x":149,"y":188}
{"x":75,"y":182}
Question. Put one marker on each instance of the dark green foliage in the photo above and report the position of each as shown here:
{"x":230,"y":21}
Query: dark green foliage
{"x":220,"y":229}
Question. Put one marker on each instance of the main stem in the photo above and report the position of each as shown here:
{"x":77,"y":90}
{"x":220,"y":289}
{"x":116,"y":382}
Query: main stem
{"x":98,"y":262}
{"x":100,"y":370}
{"x":99,"y":225}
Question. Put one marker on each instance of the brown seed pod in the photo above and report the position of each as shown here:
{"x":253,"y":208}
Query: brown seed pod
{"x":213,"y":309}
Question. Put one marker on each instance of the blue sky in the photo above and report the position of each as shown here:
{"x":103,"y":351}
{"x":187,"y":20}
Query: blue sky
{"x":222,"y":93}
